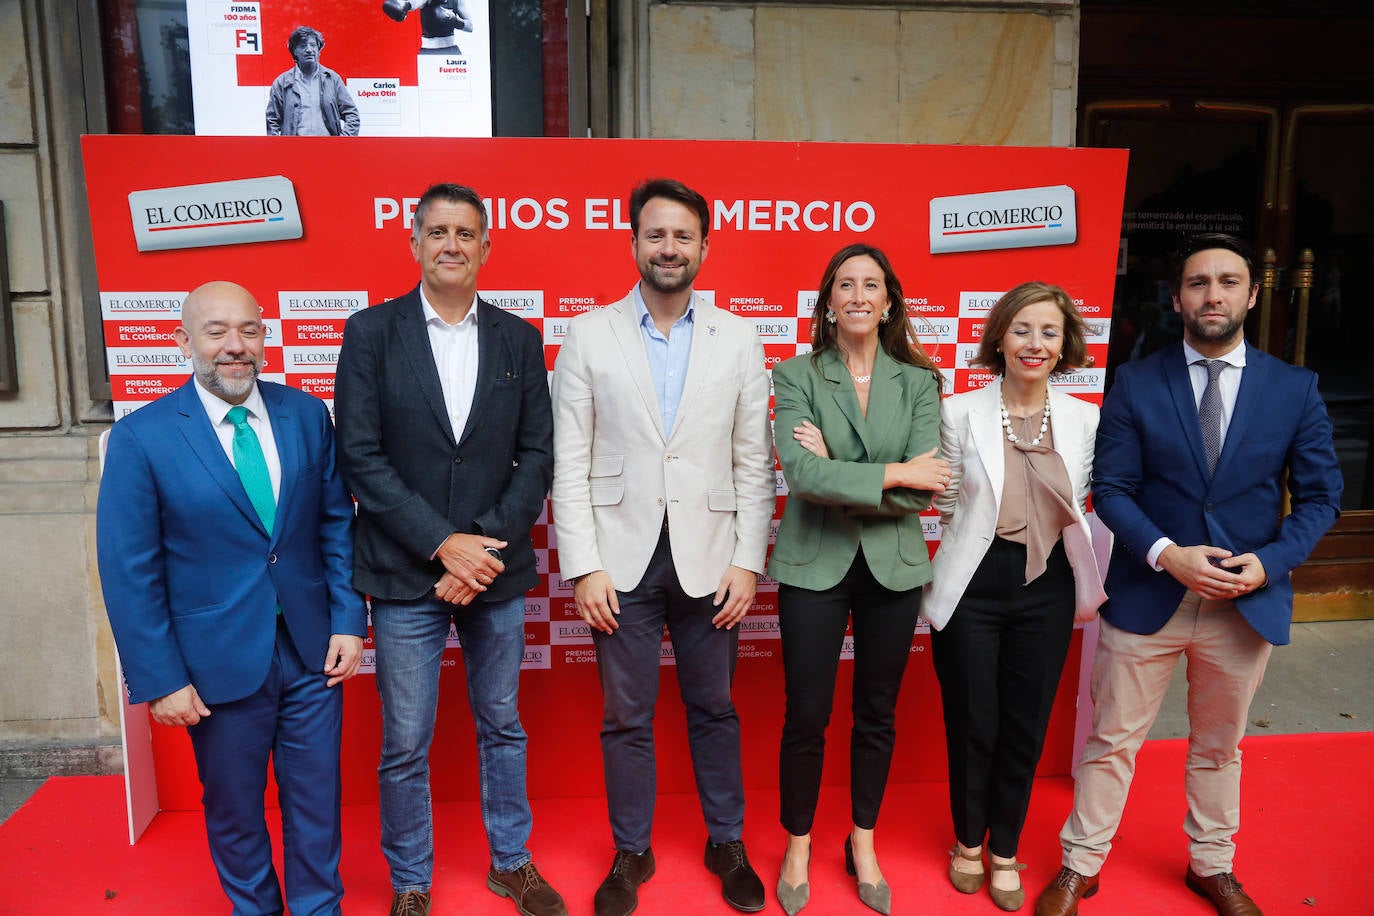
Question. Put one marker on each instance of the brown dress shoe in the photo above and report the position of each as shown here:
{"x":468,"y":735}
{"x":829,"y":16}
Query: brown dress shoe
{"x":618,"y":895}
{"x":533,"y":895}
{"x":1061,"y":897}
{"x":410,"y":903}
{"x":1224,"y":892}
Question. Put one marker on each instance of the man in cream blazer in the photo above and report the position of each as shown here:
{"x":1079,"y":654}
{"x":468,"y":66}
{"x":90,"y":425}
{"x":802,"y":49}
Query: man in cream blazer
{"x":971,"y":440}
{"x":662,"y":495}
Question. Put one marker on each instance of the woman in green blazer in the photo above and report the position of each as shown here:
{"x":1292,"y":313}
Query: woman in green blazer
{"x":857,"y":426}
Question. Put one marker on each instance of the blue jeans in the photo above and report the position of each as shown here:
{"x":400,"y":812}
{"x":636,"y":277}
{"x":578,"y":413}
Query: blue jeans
{"x":410,"y":638}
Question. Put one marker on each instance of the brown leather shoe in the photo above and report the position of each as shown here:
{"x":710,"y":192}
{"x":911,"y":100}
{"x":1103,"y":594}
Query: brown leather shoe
{"x":410,"y":903}
{"x":1224,"y":892}
{"x":1061,"y":897}
{"x":533,"y":895}
{"x":618,"y":895}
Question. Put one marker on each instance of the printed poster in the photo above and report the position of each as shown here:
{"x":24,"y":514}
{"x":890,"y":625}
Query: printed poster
{"x":399,"y":68}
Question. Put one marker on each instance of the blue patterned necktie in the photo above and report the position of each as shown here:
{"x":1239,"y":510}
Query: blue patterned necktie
{"x":1209,"y":412}
{"x":252,"y":467}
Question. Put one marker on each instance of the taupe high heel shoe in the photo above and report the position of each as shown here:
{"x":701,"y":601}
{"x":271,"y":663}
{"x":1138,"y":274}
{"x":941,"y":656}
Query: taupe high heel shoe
{"x":965,"y":882}
{"x":876,"y":897}
{"x":792,"y":898}
{"x":1007,"y":900}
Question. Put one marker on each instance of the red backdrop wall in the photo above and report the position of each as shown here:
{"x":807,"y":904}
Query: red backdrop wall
{"x":560,"y":245}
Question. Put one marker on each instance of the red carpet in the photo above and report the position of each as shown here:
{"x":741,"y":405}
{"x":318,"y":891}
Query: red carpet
{"x":1307,"y":801}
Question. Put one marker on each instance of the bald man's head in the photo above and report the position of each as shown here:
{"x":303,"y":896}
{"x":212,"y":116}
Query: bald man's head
{"x":222,"y":334}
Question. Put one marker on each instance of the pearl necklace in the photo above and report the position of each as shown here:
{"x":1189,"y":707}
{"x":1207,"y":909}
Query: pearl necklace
{"x":1006,"y":420}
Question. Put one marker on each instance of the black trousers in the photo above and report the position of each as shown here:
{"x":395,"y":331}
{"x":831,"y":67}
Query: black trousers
{"x":998,"y":660}
{"x":812,"y":624}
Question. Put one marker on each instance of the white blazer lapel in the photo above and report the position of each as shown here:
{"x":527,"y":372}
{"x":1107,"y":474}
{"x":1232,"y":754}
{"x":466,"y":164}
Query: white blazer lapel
{"x":985,"y":431}
{"x":631,"y":343}
{"x":1068,"y":438}
{"x":706,"y":332}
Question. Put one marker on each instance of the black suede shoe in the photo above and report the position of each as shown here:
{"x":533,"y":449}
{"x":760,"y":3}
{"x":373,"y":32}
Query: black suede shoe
{"x":739,"y":883}
{"x":618,"y":895}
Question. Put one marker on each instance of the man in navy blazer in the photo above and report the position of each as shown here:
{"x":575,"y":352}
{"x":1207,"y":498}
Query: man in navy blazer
{"x":446,"y":440}
{"x":227,"y":583}
{"x":1194,"y":449}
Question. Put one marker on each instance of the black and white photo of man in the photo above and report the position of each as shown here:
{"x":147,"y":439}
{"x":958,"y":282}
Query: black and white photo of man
{"x":310,"y":100}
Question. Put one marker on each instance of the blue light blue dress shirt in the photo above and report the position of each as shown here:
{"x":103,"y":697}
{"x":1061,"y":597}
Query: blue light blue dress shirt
{"x":668,"y":357}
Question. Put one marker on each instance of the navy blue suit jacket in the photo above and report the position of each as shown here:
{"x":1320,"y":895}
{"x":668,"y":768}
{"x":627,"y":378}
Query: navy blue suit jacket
{"x":1150,"y":481}
{"x":416,"y":479}
{"x":191,"y":577}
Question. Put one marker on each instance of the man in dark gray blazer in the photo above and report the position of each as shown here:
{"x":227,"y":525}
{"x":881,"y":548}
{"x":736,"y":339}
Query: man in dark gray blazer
{"x":445,"y":438}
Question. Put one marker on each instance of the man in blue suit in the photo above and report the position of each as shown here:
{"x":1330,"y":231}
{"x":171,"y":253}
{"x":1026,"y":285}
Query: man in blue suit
{"x":1194,"y":449}
{"x":225,"y":551}
{"x":446,"y":440}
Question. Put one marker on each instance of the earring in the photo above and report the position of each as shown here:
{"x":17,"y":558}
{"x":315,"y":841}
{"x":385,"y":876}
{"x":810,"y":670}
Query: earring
{"x":830,"y":317}
{"x":882,"y":319}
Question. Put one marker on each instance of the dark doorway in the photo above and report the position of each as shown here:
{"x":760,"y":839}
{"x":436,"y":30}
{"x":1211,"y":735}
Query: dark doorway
{"x":1258,"y":119}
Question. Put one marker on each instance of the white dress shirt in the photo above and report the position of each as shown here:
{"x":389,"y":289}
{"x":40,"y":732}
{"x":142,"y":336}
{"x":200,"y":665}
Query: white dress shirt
{"x":455,"y":356}
{"x":1228,"y":386}
{"x":218,"y":411}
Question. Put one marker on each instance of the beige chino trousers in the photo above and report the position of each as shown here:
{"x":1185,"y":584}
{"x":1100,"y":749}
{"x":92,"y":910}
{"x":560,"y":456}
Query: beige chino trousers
{"x":1131,"y":672}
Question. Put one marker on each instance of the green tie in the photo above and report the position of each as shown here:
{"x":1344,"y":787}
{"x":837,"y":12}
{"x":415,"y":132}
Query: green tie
{"x":252,"y":467}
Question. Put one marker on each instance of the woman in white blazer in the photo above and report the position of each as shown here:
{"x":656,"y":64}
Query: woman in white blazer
{"x":1014,"y":569}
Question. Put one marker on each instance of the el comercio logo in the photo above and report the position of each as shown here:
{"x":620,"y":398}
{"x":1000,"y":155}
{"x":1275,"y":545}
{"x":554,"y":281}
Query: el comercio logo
{"x":218,"y":213}
{"x":1025,"y":218}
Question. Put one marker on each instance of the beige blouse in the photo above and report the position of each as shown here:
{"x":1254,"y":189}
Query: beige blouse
{"x":1037,"y":496}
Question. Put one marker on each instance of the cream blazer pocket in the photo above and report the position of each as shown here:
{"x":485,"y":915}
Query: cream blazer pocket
{"x":720,"y":500}
{"x":607,"y":483}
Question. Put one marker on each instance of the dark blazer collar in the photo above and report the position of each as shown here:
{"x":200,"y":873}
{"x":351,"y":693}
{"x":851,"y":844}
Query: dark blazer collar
{"x":286,"y":436}
{"x":1252,"y":386}
{"x":414,"y":336}
{"x":1185,"y":406}
{"x":490,"y":343}
{"x":204,"y":443}
{"x":491,"y":340}
{"x":1254,"y":382}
